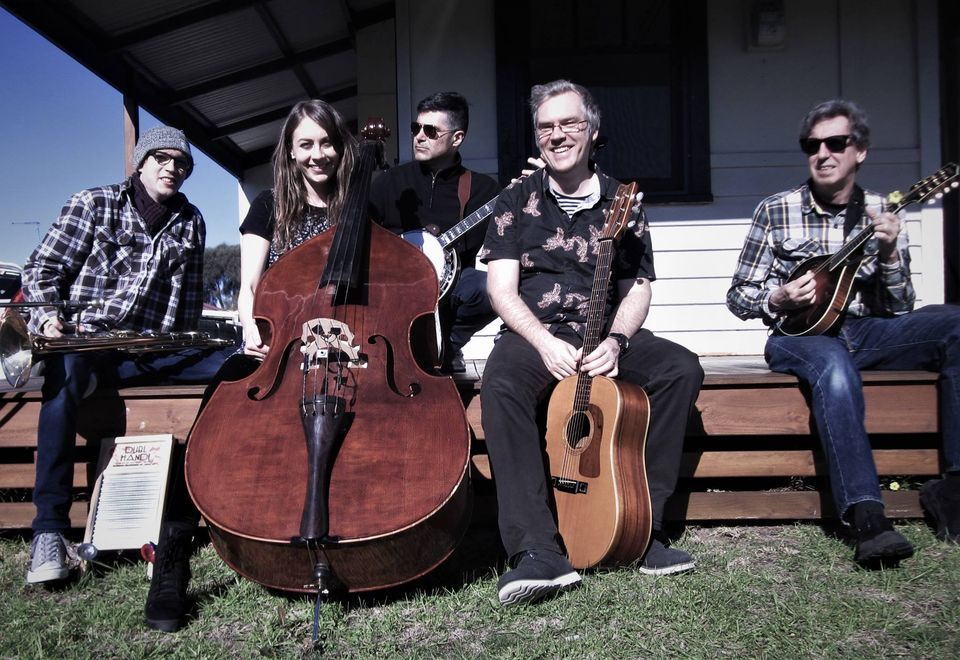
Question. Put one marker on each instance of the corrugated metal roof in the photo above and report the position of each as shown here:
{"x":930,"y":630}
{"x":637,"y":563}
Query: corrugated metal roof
{"x":225,"y":71}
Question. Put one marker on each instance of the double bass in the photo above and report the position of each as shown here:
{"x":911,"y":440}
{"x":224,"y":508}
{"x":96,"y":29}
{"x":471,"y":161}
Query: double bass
{"x":340,"y":463}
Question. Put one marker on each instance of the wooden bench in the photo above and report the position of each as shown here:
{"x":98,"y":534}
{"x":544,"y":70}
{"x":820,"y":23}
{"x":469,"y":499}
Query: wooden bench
{"x":750,"y":453}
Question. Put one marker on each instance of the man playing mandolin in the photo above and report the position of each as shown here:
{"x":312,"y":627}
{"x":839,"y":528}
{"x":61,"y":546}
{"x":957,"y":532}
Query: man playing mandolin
{"x":433,"y":193}
{"x":878,"y":330}
{"x":541,"y":250}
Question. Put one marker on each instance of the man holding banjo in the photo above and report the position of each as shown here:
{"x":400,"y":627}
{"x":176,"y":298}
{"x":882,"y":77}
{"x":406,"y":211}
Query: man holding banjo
{"x":432,"y":194}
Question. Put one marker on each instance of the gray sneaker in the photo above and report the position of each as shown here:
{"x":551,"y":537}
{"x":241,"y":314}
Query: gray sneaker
{"x":51,"y":558}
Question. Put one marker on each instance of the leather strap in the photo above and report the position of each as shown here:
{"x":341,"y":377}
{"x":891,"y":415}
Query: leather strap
{"x":463,"y":191}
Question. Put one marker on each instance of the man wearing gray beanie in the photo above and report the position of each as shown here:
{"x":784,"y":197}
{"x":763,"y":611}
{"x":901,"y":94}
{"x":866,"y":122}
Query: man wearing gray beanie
{"x":128,"y":256}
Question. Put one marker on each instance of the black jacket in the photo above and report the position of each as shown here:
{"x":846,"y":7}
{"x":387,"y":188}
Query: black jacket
{"x":410,"y":196}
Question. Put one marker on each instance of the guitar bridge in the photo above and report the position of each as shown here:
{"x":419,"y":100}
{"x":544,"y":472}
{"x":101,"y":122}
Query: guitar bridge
{"x":571,"y":486}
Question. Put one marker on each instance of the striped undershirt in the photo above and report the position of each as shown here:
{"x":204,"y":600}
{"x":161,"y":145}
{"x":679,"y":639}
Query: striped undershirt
{"x":572,"y":204}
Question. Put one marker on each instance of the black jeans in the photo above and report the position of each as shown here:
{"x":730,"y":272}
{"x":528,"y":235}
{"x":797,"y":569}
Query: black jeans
{"x":468,"y":309}
{"x":515,"y":382}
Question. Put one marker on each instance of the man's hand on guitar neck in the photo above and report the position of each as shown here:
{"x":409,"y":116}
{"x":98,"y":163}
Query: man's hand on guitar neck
{"x":603,"y":361}
{"x":801,"y":292}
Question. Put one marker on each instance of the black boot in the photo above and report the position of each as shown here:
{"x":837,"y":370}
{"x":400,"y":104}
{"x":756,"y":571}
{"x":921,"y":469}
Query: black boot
{"x":878,"y":543}
{"x":167,"y":600}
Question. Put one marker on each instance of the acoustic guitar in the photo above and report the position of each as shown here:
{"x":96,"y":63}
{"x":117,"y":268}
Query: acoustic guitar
{"x":596,"y":436}
{"x":834,"y":274}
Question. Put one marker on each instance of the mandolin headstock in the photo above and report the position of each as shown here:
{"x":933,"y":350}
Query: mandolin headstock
{"x":929,"y":189}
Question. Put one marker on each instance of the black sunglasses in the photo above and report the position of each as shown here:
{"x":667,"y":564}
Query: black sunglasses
{"x":429,"y":130}
{"x":180,"y":164}
{"x":835,"y":144}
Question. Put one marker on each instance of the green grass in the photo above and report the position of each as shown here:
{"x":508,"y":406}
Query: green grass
{"x":758,"y":592}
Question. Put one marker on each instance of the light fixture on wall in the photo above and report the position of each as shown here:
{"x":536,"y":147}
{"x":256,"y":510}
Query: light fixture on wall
{"x":766,"y":24}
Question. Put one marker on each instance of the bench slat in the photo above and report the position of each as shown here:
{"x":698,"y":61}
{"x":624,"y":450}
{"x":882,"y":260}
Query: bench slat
{"x":19,"y":515}
{"x":740,"y":398}
{"x":790,"y":505}
{"x":21,"y":475}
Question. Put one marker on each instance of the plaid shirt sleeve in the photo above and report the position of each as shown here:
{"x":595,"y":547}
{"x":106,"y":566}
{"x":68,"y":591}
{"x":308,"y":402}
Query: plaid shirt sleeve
{"x":55,"y":263}
{"x":191,"y":297}
{"x":749,"y":293}
{"x":892,"y":292}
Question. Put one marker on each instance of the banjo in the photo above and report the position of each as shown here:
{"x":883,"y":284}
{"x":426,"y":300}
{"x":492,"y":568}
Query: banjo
{"x":439,"y":250}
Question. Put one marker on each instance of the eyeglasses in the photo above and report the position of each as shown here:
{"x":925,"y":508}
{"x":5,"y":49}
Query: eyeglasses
{"x":835,"y":144}
{"x":179,"y":164}
{"x":431,"y":131}
{"x":569,"y":126}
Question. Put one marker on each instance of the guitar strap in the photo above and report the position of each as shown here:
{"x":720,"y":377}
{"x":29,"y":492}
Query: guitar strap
{"x":463,"y":191}
{"x":854,"y":212}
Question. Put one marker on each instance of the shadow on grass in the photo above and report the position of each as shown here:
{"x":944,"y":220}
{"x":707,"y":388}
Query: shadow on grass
{"x":478,"y":556}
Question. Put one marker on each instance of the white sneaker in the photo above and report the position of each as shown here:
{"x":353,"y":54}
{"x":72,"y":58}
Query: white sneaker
{"x":51,"y":558}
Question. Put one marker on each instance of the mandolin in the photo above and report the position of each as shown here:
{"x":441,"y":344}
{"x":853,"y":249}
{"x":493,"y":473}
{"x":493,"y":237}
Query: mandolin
{"x":834,"y":274}
{"x":596,"y":438}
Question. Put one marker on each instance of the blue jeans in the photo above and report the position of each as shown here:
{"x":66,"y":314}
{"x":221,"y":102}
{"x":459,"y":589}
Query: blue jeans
{"x":65,"y":380}
{"x":928,"y":338}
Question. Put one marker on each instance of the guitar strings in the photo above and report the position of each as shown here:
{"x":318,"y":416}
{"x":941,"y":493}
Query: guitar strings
{"x":579,"y":423}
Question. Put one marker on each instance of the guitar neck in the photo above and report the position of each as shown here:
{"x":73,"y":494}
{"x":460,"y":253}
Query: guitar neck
{"x":468,"y":223}
{"x":598,"y":298}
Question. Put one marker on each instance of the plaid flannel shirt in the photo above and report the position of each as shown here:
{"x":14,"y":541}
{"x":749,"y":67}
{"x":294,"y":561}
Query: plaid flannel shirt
{"x":99,"y":252}
{"x":789,"y":227}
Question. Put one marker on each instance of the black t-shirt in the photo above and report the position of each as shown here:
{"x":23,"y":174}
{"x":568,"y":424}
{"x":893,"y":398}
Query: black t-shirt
{"x":260,"y":221}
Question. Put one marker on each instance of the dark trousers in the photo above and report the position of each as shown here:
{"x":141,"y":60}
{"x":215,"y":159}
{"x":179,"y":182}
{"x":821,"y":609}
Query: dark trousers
{"x":468,"y":309}
{"x":65,"y":380}
{"x":516,"y":382}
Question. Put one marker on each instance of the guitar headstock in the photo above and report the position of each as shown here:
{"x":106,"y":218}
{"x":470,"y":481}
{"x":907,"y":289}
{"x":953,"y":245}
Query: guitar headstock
{"x":929,"y":190}
{"x":620,"y":212}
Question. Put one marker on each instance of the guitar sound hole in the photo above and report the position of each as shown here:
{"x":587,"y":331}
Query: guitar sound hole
{"x":578,"y":429}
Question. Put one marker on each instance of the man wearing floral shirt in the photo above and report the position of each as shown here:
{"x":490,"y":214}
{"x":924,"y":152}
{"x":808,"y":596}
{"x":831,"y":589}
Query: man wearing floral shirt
{"x":541,"y":251}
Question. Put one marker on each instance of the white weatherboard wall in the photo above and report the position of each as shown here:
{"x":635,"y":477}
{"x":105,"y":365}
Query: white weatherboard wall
{"x":757,"y":99}
{"x":882,"y":54}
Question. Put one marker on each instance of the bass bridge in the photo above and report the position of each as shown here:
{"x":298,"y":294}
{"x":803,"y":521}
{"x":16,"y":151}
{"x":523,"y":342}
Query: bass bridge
{"x":324,"y":342}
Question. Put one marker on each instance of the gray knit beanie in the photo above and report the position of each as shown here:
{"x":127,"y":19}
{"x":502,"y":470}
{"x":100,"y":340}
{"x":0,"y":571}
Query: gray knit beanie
{"x":161,"y":137}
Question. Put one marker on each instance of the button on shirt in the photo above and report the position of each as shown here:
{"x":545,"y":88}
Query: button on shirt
{"x":558,"y":252}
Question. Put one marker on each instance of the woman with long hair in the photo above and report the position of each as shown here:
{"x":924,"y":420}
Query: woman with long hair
{"x":311,"y":171}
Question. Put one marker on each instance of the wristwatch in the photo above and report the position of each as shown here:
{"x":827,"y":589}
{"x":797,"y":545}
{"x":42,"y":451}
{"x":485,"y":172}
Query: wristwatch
{"x":621,"y":340}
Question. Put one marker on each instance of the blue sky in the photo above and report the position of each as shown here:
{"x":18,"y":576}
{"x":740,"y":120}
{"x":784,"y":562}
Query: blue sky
{"x":62,"y":131}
